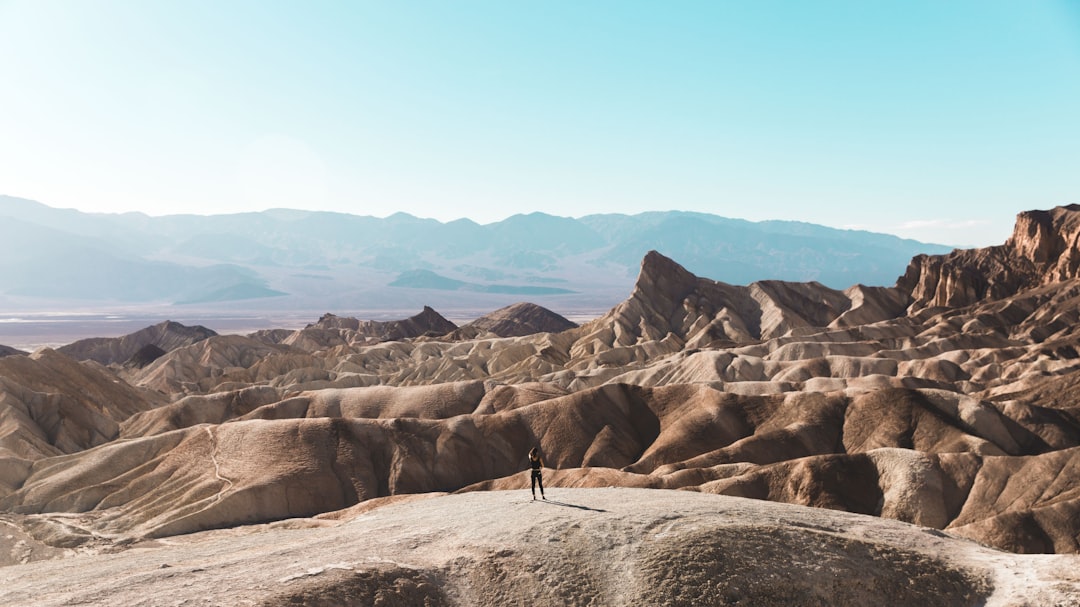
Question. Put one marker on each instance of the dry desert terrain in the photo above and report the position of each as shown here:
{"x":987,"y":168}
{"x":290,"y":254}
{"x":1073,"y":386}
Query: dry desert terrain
{"x":919,"y":441}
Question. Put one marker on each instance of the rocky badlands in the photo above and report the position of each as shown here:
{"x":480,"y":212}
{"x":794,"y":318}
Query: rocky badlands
{"x":707,"y":444}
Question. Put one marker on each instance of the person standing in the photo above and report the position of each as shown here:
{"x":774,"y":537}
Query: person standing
{"x":537,"y":465}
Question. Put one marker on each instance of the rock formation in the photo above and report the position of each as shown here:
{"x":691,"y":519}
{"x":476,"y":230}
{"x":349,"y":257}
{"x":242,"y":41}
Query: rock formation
{"x":199,"y":367}
{"x":332,"y":331}
{"x":616,"y":546}
{"x":676,"y":310}
{"x":9,"y":351}
{"x":947,"y":401}
{"x":428,"y":322}
{"x":51,"y":405}
{"x":146,"y":355}
{"x":514,"y":321}
{"x":1043,"y":249}
{"x":166,"y":336}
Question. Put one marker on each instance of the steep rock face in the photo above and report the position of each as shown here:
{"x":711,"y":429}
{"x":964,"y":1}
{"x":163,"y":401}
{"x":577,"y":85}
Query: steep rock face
{"x":146,"y":355}
{"x":166,"y":336}
{"x":965,"y":277}
{"x":516,"y":320}
{"x":1051,"y":240}
{"x":1044,"y":248}
{"x":668,"y":301}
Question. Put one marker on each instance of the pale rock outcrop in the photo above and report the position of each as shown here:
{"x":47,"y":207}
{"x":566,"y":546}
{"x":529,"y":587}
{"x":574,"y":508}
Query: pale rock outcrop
{"x":617,"y":547}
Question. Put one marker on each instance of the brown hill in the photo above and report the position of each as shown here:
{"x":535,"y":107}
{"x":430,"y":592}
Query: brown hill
{"x":198,"y":367}
{"x":514,"y":321}
{"x":427,"y":322}
{"x":167,"y":336}
{"x":52,"y":405}
{"x":271,"y":336}
{"x":332,"y":331}
{"x":9,"y":351}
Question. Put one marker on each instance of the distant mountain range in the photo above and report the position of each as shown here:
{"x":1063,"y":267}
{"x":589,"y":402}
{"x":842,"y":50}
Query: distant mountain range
{"x":291,"y":260}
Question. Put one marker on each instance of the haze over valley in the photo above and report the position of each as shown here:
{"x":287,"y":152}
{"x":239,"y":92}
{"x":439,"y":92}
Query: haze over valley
{"x":283,"y":268}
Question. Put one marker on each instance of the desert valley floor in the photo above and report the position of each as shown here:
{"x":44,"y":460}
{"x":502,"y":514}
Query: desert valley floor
{"x":920,"y":442}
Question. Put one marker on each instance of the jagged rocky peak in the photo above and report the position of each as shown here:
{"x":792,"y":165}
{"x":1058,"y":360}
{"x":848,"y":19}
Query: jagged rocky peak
{"x":667,"y":299}
{"x":167,"y":335}
{"x":662,"y":277}
{"x":671,"y":305}
{"x":515,"y":320}
{"x":429,"y":317}
{"x":1050,"y":240}
{"x":1044,"y":248}
{"x":428,"y":322}
{"x":332,"y":321}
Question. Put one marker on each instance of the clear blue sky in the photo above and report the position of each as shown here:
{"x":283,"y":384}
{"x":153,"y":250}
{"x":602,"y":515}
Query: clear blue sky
{"x":933,"y":120}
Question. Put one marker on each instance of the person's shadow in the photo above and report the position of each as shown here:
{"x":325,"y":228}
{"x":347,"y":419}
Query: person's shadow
{"x":565,"y":505}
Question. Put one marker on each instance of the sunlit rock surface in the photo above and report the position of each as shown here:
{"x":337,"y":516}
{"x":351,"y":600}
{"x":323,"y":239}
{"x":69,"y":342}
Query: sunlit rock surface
{"x":947,"y":402}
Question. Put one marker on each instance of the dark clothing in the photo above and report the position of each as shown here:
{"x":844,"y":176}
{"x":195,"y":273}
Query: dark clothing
{"x":537,"y":475}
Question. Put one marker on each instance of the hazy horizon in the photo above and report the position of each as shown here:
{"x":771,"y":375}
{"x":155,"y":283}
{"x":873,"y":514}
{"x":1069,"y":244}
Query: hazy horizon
{"x":208,"y":213}
{"x":932,"y":121}
{"x":247,"y":270}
